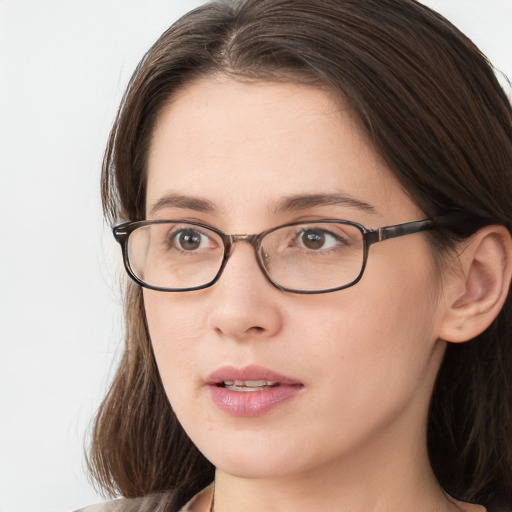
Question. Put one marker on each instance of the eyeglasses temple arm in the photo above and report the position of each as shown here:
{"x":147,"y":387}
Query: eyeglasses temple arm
{"x":407,"y":228}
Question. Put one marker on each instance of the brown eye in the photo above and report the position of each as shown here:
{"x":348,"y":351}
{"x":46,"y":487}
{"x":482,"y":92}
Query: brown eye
{"x":313,"y":239}
{"x":190,"y":240}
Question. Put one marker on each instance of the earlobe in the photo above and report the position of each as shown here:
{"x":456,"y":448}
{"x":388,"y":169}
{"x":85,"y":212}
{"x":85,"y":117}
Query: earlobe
{"x":479,"y":287}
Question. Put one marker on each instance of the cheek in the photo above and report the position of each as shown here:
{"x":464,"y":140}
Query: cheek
{"x":175,"y":330}
{"x":394,"y":325}
{"x":383,"y":329}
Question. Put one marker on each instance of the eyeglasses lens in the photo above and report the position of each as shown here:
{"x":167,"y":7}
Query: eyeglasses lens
{"x":303,"y":257}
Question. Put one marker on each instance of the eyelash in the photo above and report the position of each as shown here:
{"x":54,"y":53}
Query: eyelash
{"x":340,"y":241}
{"x":172,"y":236}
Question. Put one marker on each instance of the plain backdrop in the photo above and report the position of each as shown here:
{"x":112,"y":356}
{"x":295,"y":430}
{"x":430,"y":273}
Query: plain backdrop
{"x":63,"y":68}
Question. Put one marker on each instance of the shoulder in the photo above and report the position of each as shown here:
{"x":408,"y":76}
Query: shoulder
{"x":162,"y":502}
{"x":153,"y":503}
{"x":109,"y":506}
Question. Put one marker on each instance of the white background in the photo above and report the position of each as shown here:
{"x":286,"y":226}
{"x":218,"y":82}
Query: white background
{"x":63,"y":67}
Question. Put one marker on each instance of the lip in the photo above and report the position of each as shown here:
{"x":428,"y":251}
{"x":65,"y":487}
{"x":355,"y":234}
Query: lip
{"x":253,"y":403}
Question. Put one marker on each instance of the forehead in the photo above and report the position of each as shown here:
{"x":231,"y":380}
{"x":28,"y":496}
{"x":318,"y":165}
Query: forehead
{"x":245,"y":145}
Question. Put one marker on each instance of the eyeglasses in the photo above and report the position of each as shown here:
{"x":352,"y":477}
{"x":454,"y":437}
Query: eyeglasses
{"x":319,"y":256}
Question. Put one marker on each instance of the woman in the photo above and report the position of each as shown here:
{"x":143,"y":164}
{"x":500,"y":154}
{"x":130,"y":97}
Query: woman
{"x":357,"y":356}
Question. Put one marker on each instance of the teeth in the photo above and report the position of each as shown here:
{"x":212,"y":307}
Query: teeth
{"x":248,"y":385}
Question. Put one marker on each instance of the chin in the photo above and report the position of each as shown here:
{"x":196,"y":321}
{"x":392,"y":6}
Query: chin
{"x":250,"y":469}
{"x":254,"y":460}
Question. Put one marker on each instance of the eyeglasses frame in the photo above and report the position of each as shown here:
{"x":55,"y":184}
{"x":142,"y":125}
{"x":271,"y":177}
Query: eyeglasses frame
{"x":370,"y":236}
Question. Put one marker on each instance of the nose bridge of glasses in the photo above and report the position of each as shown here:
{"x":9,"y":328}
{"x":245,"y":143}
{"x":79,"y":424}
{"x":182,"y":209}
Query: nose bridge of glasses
{"x":253,"y":240}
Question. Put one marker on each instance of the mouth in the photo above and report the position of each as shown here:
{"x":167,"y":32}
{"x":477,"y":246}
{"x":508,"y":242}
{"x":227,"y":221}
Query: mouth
{"x":245,"y":386}
{"x":249,"y":378}
{"x":250,"y":391}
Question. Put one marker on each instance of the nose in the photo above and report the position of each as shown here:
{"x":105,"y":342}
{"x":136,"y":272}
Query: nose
{"x":244,"y":304}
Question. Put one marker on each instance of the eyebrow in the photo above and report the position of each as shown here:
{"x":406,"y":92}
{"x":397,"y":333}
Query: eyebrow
{"x":289,"y":204}
{"x":182,"y":201}
{"x":303,"y":202}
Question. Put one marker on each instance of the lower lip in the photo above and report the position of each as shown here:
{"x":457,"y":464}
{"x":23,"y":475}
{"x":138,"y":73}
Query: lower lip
{"x":251,"y":403}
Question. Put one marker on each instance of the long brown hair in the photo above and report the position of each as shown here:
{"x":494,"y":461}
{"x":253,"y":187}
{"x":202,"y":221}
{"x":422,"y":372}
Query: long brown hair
{"x":432,"y":107}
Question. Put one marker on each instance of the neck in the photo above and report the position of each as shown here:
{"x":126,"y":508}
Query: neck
{"x":347,"y":492}
{"x":372,"y":479}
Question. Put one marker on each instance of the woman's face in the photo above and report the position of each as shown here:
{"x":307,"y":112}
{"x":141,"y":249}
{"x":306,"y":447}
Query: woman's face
{"x":355,"y":368}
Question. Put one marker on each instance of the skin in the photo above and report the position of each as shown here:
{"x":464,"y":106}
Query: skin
{"x":353,"y":438}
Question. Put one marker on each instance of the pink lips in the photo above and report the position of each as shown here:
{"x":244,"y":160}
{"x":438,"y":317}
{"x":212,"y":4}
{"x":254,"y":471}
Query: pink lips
{"x":250,"y":403}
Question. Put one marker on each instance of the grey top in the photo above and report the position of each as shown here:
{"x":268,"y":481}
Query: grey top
{"x":145,"y":504}
{"x":152,"y":503}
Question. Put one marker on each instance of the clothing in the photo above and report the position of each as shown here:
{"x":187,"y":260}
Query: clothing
{"x":162,"y":503}
{"x":152,"y":503}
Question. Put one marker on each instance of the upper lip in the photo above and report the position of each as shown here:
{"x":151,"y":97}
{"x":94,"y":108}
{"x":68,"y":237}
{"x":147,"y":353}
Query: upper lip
{"x":248,"y":373}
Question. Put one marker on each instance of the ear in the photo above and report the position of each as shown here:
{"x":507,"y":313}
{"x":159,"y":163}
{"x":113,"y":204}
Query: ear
{"x":477,"y":288}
